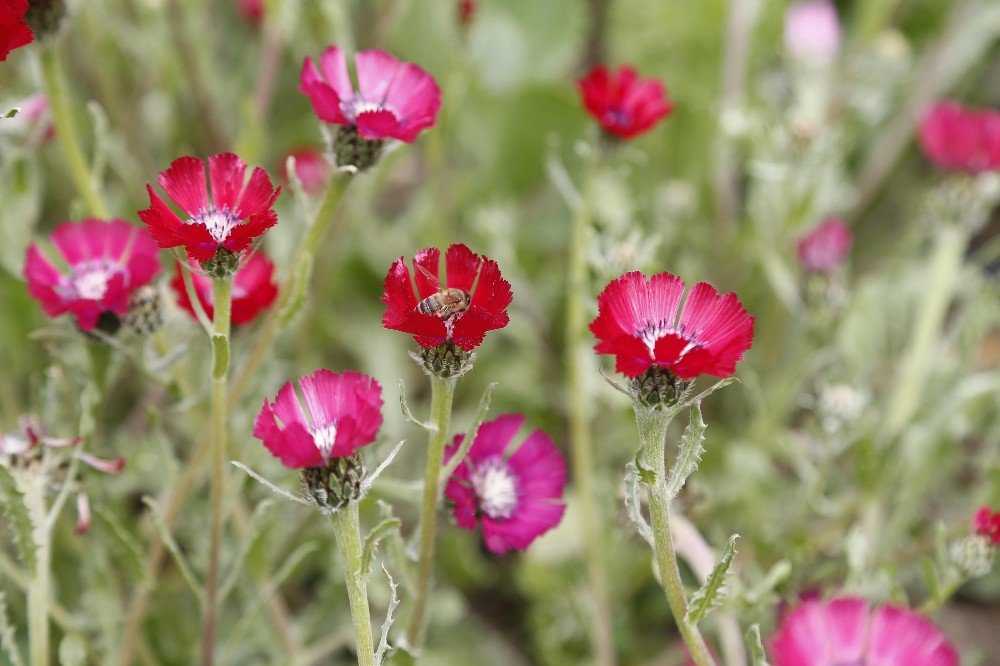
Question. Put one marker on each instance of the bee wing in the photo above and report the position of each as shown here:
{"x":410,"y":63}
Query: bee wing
{"x":430,"y":276}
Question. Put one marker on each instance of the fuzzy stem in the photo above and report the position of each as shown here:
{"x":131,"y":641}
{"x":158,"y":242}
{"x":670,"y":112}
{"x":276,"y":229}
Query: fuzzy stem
{"x":40,"y":583}
{"x":55,"y":88}
{"x":221,"y":292}
{"x":442,"y":394}
{"x":653,"y":424}
{"x":582,"y":458}
{"x":347,"y":530}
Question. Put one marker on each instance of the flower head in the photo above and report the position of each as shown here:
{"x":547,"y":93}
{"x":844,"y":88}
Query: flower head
{"x":105,"y":262}
{"x":847,"y":630}
{"x":624,"y":105}
{"x":394,"y":100}
{"x":311,"y":168}
{"x":14,"y":32}
{"x":812,"y":31}
{"x":987,"y":523}
{"x":236,"y":214}
{"x":824,"y":247}
{"x":956,"y":138}
{"x":344,"y":414}
{"x":638,"y":322}
{"x":251,"y":10}
{"x":471,"y":298}
{"x":254,"y":289}
{"x":516,"y":497}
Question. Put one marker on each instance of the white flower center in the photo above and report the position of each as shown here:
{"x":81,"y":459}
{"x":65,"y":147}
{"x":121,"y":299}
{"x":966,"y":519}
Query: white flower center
{"x":496,"y":488}
{"x":354,"y":107}
{"x":218,"y":222}
{"x":89,"y":280}
{"x":324,"y":438}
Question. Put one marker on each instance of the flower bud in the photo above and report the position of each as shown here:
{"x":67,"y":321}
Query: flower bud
{"x":658,"y":388}
{"x":145,"y":311}
{"x":973,"y":555}
{"x":446,"y":361}
{"x":352,"y":149}
{"x":335,"y":485}
{"x":222,"y":265}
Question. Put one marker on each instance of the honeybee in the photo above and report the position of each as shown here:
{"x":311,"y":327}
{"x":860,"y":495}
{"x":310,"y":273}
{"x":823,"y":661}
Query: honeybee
{"x":447,"y":302}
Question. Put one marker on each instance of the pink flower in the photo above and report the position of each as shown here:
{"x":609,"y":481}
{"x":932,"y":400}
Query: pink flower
{"x":516,"y":497}
{"x":987,"y":523}
{"x":847,"y":630}
{"x":14,"y":32}
{"x":397,"y":100}
{"x":236,"y":214}
{"x":960,"y":139}
{"x":812,"y":31}
{"x":624,"y":105}
{"x":311,"y":168}
{"x":253,"y":291}
{"x":476,"y":300}
{"x":824,"y":247}
{"x":638,"y":322}
{"x":251,"y":10}
{"x":34,"y":119}
{"x":106,"y":260}
{"x":345,"y":413}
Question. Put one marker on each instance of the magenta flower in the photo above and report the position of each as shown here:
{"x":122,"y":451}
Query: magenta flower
{"x":824,"y":247}
{"x":311,"y":168}
{"x":345,"y":413}
{"x":253,"y":291}
{"x":812,"y":31}
{"x":397,"y":100}
{"x":638,"y":322}
{"x":847,"y":630}
{"x":622,"y":103}
{"x":106,"y":260}
{"x":987,"y":523}
{"x":956,"y":138}
{"x":462,"y":307}
{"x":516,"y":497}
{"x":236,"y":214}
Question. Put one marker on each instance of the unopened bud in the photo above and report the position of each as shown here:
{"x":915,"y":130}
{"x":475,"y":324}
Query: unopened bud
{"x":973,"y":555}
{"x":336,"y":485}
{"x":145,"y":311}
{"x":446,"y":361}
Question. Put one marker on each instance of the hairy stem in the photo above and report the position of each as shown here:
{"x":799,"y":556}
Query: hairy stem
{"x":347,"y":530}
{"x":40,"y":583}
{"x":221,"y":292}
{"x":66,"y":133}
{"x":442,"y":394}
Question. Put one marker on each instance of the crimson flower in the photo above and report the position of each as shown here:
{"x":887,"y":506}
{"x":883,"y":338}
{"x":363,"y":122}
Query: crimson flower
{"x":14,"y":32}
{"x":397,"y":100}
{"x":517,"y":497}
{"x":824,"y":247}
{"x":107,"y":261}
{"x":345,"y":413}
{"x":253,"y":291}
{"x":236,"y":214}
{"x":637,"y":321}
{"x":956,"y":138}
{"x":847,"y":630}
{"x":987,"y":523}
{"x":311,"y":168}
{"x":624,"y":105}
{"x":478,"y":282}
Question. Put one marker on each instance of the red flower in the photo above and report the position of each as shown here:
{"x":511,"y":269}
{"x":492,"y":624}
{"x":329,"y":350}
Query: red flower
{"x":311,"y":168}
{"x":622,"y":103}
{"x":107,"y":261}
{"x":637,"y":322}
{"x":960,"y":139}
{"x":987,"y":523}
{"x":397,"y":100}
{"x":236,"y":214}
{"x":254,"y":289}
{"x":824,"y":247}
{"x":847,"y":630}
{"x":472,"y":280}
{"x":516,"y":497}
{"x":14,"y":32}
{"x":345,"y":413}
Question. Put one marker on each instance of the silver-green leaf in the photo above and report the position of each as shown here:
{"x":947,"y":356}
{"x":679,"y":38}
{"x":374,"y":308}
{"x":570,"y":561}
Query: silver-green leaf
{"x":757,"y":655}
{"x":714,"y":590}
{"x":13,"y":505}
{"x":690,"y":452}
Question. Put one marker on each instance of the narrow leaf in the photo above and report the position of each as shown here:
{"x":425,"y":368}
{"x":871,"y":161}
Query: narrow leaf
{"x":379,"y":532}
{"x":383,"y":643}
{"x":408,"y":415}
{"x":298,"y":286}
{"x":470,"y":437}
{"x":270,"y":486}
{"x":712,"y":592}
{"x":174,"y":549}
{"x":247,"y":542}
{"x":690,"y":452}
{"x":757,"y":655}
{"x":8,"y":639}
{"x":13,"y":506}
{"x":126,"y":541}
{"x":633,"y":507}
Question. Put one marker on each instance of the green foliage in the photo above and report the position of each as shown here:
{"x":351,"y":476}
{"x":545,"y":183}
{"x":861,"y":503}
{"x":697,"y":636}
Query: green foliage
{"x":21,"y":524}
{"x":710,"y":595}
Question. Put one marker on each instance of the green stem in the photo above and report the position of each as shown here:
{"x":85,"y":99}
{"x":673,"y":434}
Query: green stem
{"x":221,"y":292}
{"x":347,"y":530}
{"x":55,"y":88}
{"x":442,"y":394}
{"x":944,"y":267}
{"x":581,"y":444}
{"x":653,"y":424}
{"x":40,"y":583}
